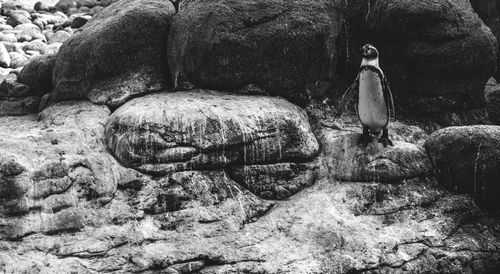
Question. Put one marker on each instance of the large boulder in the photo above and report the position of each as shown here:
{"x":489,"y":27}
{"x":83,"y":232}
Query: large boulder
{"x":207,"y":129}
{"x":116,"y":55}
{"x":438,"y":55}
{"x":280,"y":46}
{"x":467,"y":160}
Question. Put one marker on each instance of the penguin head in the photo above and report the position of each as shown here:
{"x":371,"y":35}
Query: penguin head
{"x":368,"y":51}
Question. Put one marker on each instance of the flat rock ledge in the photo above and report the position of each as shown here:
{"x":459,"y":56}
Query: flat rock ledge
{"x":345,"y":160}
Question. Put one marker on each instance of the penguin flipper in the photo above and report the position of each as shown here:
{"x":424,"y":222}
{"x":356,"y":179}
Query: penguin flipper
{"x":388,"y":98}
{"x":348,"y":95}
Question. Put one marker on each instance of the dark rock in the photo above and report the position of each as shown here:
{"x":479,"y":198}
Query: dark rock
{"x":65,"y":5}
{"x":438,"y":55}
{"x":280,"y":46}
{"x":10,"y":87}
{"x":40,"y":6}
{"x":17,"y":18}
{"x":467,"y":160}
{"x":79,"y":21}
{"x":205,"y":129}
{"x":275,"y":181}
{"x":10,"y":106}
{"x":37,"y":74}
{"x":126,"y":58}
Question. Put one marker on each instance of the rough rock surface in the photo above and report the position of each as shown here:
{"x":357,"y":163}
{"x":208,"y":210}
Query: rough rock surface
{"x":49,"y":184}
{"x":37,"y":74}
{"x":336,"y":227}
{"x":207,"y":129}
{"x":438,"y":56}
{"x":492,"y":94}
{"x":114,"y":56}
{"x":349,"y":161}
{"x":467,"y":160}
{"x":280,"y":46}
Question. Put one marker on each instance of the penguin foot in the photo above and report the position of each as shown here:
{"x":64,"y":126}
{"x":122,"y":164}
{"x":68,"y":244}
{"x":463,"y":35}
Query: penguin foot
{"x":384,"y":139}
{"x":365,"y":139}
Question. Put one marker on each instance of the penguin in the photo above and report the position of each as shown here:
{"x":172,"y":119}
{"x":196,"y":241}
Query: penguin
{"x":374,"y":98}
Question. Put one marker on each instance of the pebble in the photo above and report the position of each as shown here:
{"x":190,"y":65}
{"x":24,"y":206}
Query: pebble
{"x":27,"y":32}
{"x":4,"y":56}
{"x":17,"y":60}
{"x":8,"y":37}
{"x":59,"y":36}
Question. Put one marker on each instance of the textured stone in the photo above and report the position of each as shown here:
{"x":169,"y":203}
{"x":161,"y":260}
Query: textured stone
{"x":275,"y":181}
{"x":37,"y":74}
{"x":17,"y":60}
{"x":278,"y":45}
{"x":10,"y":87}
{"x":206,"y":129}
{"x":10,"y":106}
{"x":467,"y":160}
{"x":348,"y":161}
{"x":114,"y":57}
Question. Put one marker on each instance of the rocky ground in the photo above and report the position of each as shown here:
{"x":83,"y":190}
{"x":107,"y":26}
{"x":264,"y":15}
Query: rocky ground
{"x":199,"y":136}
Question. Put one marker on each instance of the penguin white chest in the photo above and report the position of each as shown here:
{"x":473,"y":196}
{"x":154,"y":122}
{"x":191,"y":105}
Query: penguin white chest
{"x":372,"y":107}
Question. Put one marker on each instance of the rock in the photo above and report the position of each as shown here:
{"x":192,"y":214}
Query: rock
{"x":53,"y":48}
{"x":5,"y":27}
{"x":10,"y":87}
{"x":466,"y":160}
{"x":205,"y":129}
{"x":275,"y":181}
{"x":37,"y":74}
{"x":4,"y":56}
{"x":79,"y":21}
{"x":250,"y":42}
{"x":51,"y":18}
{"x":17,"y":60}
{"x":28,"y":32}
{"x":35,"y":45}
{"x":40,"y":6}
{"x":85,"y":3}
{"x":17,"y":18}
{"x":56,"y":183}
{"x":13,"y":47}
{"x":95,"y":10}
{"x":8,"y":37}
{"x":40,"y":23}
{"x":184,"y":191}
{"x":348,"y":161}
{"x":11,"y":106}
{"x":120,"y":67}
{"x":492,"y":94}
{"x":65,"y":5}
{"x":59,"y":37}
{"x":421,"y":82}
